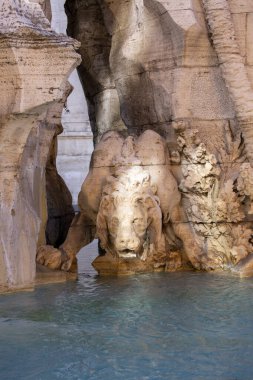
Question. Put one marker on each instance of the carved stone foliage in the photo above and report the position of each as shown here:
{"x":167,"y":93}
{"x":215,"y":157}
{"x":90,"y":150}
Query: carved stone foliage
{"x":217,"y":192}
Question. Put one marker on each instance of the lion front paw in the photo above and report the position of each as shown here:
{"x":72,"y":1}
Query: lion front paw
{"x":66,"y":266}
{"x":49,"y":256}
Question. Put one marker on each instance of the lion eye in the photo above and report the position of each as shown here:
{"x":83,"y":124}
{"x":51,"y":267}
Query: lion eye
{"x":113,"y":225}
{"x":137,"y":220}
{"x":139,"y":225}
{"x":115,"y":221}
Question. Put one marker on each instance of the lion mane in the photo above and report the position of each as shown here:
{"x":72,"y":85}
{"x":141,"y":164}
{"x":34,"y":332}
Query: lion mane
{"x":134,"y":184}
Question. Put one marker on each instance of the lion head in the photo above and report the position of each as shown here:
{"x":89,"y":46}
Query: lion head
{"x":129,"y":220}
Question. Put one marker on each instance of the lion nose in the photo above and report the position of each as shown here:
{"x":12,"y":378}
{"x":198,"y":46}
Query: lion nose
{"x":128,"y":242}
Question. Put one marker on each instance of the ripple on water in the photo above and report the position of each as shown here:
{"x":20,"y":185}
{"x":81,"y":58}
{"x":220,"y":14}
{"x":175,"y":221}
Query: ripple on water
{"x":157,"y":326}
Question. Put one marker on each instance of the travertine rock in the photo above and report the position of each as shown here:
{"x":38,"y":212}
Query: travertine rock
{"x":217,"y":197}
{"x":35,"y":65}
{"x":158,"y":58}
{"x":131,"y":201}
{"x":98,"y":81}
{"x":156,"y":61}
{"x":234,"y":71}
{"x":45,"y":6}
{"x":169,"y":91}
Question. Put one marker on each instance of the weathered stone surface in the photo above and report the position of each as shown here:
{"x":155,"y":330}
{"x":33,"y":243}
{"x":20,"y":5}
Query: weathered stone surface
{"x":98,"y":81}
{"x":151,"y":46}
{"x":35,"y":64}
{"x":182,"y":70}
{"x":227,"y":46}
{"x":45,"y":6}
{"x":169,"y":91}
{"x":142,"y":220}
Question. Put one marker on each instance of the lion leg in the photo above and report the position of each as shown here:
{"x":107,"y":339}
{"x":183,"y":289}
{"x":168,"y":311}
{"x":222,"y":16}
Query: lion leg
{"x":80,"y":234}
{"x":49,"y":256}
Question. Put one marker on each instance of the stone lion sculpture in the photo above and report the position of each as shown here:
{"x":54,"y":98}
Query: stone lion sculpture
{"x":131,"y":203}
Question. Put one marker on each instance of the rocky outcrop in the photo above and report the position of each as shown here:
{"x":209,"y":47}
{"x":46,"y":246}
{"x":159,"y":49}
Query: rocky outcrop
{"x":35,"y":65}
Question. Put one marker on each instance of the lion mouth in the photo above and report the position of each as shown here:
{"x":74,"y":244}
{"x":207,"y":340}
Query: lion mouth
{"x":127,"y":254}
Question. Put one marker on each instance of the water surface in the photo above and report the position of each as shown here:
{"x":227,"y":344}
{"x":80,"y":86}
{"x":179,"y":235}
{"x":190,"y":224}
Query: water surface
{"x":145,"y":327}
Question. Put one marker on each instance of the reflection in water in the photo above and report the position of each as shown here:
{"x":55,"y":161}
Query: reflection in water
{"x":157,"y":326}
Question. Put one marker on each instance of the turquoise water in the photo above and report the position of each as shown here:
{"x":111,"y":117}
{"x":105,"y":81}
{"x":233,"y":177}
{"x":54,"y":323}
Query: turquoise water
{"x":157,"y":326}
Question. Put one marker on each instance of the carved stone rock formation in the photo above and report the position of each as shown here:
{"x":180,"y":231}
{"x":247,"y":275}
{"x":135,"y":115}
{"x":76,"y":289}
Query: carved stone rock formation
{"x":172,"y":82}
{"x":35,"y":65}
{"x":217,"y":197}
{"x":152,"y":65}
{"x":131,"y":201}
{"x":234,"y":71}
{"x":149,"y":61}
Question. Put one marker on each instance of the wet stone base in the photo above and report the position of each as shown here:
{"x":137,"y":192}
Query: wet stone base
{"x":48,"y":276}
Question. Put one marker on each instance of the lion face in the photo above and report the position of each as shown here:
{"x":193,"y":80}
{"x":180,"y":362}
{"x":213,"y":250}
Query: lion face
{"x":129,"y":219}
{"x":127,"y":228}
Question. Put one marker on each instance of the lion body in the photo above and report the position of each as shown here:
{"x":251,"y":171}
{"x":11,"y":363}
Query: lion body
{"x":130,"y":200}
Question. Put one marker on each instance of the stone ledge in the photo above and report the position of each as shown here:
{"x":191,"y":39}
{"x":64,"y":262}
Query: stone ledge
{"x":48,"y":276}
